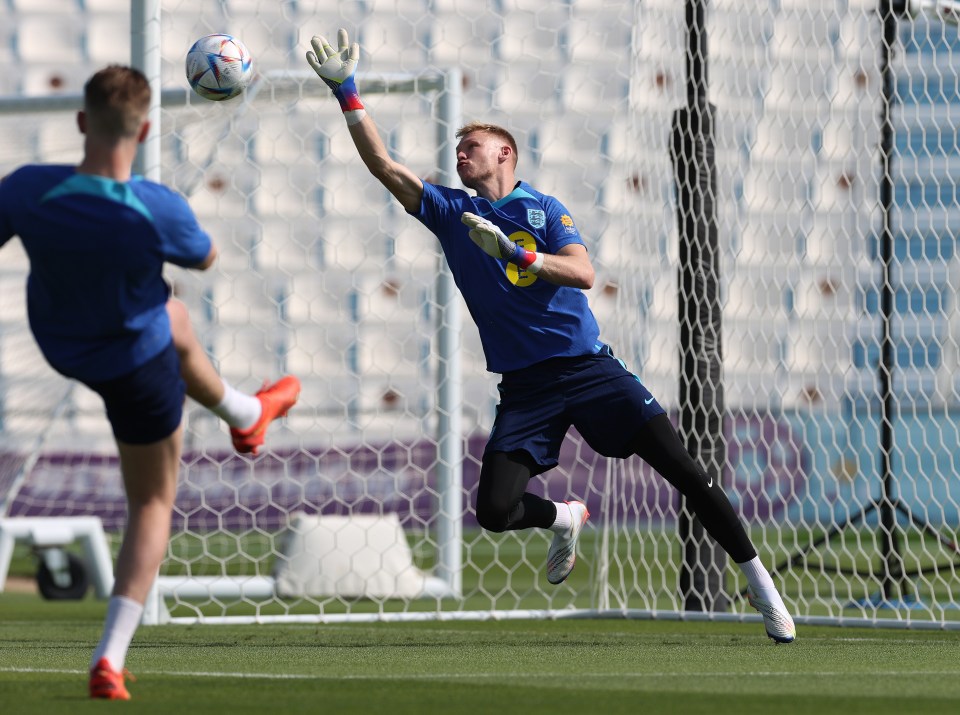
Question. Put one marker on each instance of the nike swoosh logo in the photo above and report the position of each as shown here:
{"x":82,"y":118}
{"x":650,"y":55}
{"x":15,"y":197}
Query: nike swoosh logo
{"x":709,"y":482}
{"x":648,"y":401}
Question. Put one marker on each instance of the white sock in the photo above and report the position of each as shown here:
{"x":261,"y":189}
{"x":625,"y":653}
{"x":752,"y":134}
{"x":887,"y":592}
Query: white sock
{"x":760,"y":582}
{"x":123,"y":617}
{"x":564,"y":519}
{"x":237,"y":409}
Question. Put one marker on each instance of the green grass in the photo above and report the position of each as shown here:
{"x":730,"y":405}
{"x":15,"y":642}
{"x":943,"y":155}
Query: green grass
{"x":582,"y":666}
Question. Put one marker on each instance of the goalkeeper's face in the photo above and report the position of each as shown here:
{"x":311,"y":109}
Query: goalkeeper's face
{"x":480,"y":158}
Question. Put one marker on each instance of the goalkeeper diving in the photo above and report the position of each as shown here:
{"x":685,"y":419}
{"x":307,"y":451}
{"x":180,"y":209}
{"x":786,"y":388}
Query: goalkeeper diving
{"x":519,"y":261}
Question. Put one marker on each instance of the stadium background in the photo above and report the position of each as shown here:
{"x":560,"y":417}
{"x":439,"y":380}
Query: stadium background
{"x":323,"y":276}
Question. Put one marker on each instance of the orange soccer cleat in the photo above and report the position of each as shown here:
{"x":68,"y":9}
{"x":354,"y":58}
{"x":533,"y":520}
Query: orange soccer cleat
{"x":107,"y":683}
{"x":275,"y":401}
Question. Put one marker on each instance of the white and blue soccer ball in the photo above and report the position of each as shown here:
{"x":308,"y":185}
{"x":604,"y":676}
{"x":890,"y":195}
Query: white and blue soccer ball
{"x":219,"y":67}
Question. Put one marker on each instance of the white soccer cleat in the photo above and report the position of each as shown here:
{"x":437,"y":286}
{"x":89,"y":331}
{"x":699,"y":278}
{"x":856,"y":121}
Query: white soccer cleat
{"x":563,"y":549}
{"x":779,"y":624}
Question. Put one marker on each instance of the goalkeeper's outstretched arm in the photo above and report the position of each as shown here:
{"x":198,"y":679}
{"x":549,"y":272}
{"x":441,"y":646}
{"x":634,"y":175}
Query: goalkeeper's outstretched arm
{"x":337,"y":69}
{"x":397,"y":178}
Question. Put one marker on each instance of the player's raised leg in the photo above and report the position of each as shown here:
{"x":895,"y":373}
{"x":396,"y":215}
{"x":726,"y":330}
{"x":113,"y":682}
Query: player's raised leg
{"x":248,"y":416}
{"x":275,"y":399}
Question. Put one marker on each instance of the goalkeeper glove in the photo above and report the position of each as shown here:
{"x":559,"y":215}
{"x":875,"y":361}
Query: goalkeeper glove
{"x":337,"y":69}
{"x":495,"y":243}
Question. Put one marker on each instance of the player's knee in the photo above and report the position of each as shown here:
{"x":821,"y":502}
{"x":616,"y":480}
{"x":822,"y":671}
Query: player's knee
{"x":492,"y":521}
{"x":503,"y":478}
{"x":493,"y":517}
{"x":180,"y":328}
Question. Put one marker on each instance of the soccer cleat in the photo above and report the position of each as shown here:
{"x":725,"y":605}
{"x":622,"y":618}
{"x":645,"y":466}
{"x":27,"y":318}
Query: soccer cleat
{"x":778,"y":623}
{"x":563,"y":549}
{"x":275,"y":401}
{"x":107,"y":683}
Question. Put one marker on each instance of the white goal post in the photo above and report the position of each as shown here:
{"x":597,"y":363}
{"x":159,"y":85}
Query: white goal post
{"x":837,"y":280}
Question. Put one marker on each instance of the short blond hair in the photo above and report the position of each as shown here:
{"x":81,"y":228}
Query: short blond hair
{"x":494,"y":129}
{"x":116,"y":101}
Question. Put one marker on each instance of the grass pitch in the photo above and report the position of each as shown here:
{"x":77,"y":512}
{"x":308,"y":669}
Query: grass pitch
{"x":581,"y":666}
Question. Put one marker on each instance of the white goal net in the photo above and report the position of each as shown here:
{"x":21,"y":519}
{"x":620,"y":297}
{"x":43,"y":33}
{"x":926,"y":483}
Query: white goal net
{"x":836,"y":275}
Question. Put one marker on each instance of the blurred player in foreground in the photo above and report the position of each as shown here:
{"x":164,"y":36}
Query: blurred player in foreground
{"x":519,"y":261}
{"x":97,"y":238}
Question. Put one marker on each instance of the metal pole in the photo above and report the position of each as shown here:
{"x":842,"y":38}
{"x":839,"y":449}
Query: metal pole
{"x":449,"y":393}
{"x":701,"y":351}
{"x":145,"y":56}
{"x":892,"y":581}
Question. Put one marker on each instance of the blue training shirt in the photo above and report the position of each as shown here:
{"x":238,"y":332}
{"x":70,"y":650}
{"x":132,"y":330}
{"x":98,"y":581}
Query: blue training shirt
{"x":522,"y":319}
{"x":96,"y":298}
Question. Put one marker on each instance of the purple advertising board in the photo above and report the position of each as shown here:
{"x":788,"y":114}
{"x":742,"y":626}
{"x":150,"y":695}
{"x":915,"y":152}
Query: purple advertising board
{"x":766,"y":475}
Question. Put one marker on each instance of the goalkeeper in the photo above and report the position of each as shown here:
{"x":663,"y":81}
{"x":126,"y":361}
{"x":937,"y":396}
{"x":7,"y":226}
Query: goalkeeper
{"x":521,"y":265}
{"x":97,"y":238}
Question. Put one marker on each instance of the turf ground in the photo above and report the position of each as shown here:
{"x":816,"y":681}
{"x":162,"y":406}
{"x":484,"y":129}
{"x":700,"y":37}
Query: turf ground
{"x":582,"y":666}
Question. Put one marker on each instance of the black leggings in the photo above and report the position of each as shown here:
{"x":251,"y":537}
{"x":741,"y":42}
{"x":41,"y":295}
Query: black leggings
{"x":504,"y":504}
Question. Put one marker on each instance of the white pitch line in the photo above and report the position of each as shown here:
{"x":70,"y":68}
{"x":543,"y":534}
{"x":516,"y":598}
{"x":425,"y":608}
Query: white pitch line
{"x":463,"y":676}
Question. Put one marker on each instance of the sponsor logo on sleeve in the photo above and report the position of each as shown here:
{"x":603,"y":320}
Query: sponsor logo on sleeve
{"x":567,"y":224}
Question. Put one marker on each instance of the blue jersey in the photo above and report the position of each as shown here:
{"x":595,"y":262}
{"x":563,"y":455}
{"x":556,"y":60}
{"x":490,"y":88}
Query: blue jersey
{"x":96,"y":297}
{"x":522,"y":319}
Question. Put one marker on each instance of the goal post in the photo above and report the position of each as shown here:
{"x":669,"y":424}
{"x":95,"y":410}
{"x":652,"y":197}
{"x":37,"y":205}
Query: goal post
{"x":447,"y":579}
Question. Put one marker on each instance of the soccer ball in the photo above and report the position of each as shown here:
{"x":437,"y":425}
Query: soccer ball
{"x":219,"y":67}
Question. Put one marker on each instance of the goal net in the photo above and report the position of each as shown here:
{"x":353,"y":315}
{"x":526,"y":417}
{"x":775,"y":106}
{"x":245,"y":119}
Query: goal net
{"x":835,"y":276}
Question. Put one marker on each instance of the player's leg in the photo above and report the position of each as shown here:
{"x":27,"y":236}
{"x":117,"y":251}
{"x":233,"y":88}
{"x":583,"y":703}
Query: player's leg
{"x":659,"y":445}
{"x":204,"y":384}
{"x":612,"y":400}
{"x":504,"y":504}
{"x":247,"y":415}
{"x":145,"y":409}
{"x":530,"y":426}
{"x":150,"y":480}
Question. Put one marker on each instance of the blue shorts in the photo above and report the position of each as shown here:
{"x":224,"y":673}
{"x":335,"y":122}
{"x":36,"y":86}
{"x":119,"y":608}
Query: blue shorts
{"x":597,"y":394}
{"x":145,"y":405}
